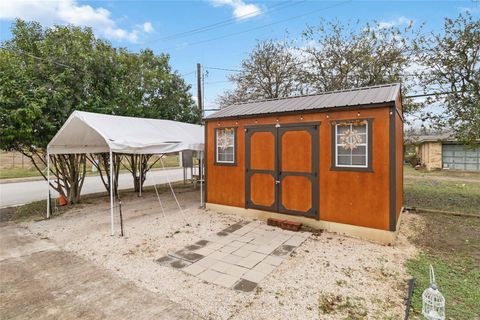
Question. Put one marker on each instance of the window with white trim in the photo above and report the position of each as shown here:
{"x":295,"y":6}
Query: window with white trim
{"x":225,"y":146}
{"x":351,"y":144}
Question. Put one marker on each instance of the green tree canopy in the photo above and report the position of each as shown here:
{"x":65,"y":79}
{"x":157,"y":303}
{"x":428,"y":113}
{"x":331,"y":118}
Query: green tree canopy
{"x":47,"y":73}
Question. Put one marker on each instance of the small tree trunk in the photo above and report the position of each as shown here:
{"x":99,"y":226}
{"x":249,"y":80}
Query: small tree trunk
{"x":138,"y":167}
{"x":102,"y":162}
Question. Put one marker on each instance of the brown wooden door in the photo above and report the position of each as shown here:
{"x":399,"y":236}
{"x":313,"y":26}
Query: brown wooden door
{"x":282,"y":168}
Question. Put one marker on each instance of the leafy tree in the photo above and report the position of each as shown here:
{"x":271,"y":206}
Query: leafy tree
{"x":270,"y":71}
{"x":452,"y":65}
{"x":46,"y":74}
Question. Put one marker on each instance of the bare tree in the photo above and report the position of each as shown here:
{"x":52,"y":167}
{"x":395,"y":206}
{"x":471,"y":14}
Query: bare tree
{"x":344,"y":56}
{"x":452,"y":61}
{"x":270,"y":71}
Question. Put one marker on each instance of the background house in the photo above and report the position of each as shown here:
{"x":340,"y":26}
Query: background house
{"x":442,"y":151}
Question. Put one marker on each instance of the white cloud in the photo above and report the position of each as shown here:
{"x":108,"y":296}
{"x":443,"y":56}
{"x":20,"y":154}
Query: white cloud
{"x":70,"y":12}
{"x":397,"y":22}
{"x":147,"y":27}
{"x":241,"y":10}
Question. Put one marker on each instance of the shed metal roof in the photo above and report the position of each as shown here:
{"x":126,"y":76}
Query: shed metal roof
{"x":343,"y":98}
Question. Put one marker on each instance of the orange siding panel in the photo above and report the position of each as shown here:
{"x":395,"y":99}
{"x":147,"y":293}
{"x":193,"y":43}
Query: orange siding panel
{"x":297,"y":193}
{"x":262,"y":189}
{"x":297,"y":151}
{"x":262,"y":147}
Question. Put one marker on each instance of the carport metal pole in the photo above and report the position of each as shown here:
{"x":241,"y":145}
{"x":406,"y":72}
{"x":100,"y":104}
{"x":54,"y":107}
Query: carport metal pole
{"x":111,"y":192}
{"x":140,"y":177}
{"x":200,"y":173}
{"x":48,"y":185}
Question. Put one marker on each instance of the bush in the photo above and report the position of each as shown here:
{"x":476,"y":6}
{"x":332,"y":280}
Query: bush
{"x":413,"y":160}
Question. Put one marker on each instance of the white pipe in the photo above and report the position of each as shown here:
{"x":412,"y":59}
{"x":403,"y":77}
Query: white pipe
{"x":48,"y":185}
{"x":200,"y":171}
{"x":171,"y":189}
{"x":111,"y":193}
{"x":140,"y":176}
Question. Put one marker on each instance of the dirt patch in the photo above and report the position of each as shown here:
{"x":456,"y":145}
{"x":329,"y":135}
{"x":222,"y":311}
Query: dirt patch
{"x":448,"y":234}
{"x":7,"y":214}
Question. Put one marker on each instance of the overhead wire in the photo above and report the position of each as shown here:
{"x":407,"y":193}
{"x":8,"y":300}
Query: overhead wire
{"x":223,"y":23}
{"x":38,"y":58}
{"x":259,"y":27}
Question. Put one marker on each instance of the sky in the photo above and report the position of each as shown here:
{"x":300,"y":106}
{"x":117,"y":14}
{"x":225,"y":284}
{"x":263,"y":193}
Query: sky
{"x":218,"y":33}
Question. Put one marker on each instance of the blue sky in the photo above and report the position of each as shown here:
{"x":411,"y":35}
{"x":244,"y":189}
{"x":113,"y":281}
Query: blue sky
{"x":142,"y":24}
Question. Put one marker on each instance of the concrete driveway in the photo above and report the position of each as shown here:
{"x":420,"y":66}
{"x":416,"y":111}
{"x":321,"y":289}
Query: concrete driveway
{"x":38,"y":280}
{"x":17,"y":193}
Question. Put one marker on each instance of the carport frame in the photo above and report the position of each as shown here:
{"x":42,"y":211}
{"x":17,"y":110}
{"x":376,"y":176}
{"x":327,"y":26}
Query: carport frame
{"x":186,"y":138}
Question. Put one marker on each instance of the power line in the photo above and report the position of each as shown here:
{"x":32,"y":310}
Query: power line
{"x":223,"y":69}
{"x":223,"y":23}
{"x":188,"y":73}
{"x":437,"y":93}
{"x":259,"y":27}
{"x":38,"y":58}
{"x":220,"y":81}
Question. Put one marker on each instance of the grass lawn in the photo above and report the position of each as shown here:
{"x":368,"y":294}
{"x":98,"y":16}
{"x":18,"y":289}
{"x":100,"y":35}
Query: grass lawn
{"x":443,"y":190}
{"x":12,"y":173}
{"x":452,"y":245}
{"x":18,"y":172}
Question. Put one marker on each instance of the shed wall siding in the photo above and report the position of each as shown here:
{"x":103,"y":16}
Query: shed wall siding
{"x":349,"y":197}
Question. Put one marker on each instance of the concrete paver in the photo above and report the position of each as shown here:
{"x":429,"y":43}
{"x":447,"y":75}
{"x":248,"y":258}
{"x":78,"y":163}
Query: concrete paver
{"x":254,"y":276}
{"x":241,"y":255}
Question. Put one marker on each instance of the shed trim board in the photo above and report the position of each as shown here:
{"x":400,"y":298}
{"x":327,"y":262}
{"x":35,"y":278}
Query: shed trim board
{"x":384,"y":237}
{"x":234,"y":163}
{"x":392,"y":156}
{"x":205,"y":163}
{"x":369,"y":167}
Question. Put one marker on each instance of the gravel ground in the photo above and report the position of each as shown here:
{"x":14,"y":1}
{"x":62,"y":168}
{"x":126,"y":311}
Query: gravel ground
{"x":328,"y":277}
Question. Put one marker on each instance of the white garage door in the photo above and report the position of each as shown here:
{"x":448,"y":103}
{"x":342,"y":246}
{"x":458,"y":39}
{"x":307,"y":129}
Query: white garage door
{"x":456,"y":156}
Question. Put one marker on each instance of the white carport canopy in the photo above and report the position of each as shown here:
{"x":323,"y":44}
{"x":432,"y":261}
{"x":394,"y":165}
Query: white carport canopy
{"x":87,"y":132}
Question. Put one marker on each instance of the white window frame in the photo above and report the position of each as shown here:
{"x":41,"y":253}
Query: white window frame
{"x":234,"y":141}
{"x":360,"y":145}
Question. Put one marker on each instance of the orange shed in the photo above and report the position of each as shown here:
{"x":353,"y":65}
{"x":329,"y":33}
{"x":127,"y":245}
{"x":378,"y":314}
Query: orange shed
{"x":331,"y":160}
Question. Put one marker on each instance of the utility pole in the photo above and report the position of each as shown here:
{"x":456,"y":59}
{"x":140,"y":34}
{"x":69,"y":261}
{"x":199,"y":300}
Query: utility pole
{"x":199,"y":88}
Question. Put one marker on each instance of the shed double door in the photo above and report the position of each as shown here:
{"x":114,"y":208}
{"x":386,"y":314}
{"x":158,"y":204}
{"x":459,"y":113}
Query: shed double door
{"x":282,"y":168}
